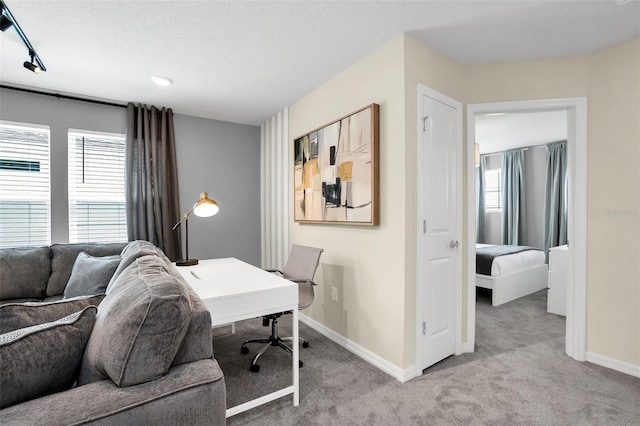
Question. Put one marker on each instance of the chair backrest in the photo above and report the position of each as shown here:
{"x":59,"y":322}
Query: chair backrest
{"x":301,"y":265}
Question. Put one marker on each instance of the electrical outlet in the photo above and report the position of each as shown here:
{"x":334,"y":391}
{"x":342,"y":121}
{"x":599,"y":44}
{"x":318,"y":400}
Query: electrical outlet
{"x":334,"y":294}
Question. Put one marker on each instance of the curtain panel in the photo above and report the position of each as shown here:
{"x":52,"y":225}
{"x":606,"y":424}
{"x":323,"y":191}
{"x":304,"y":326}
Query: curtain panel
{"x":481,"y":223}
{"x":556,"y":197}
{"x":152,"y":178}
{"x":513,"y":198}
{"x":275,"y":208}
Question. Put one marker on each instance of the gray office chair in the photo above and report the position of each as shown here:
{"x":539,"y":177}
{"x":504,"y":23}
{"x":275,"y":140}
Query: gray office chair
{"x":300,"y":268}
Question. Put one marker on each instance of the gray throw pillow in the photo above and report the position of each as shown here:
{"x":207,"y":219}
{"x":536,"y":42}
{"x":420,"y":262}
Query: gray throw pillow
{"x":24,"y":272}
{"x":20,"y":315}
{"x":43,"y":359}
{"x":139,"y":327}
{"x":90,"y":275}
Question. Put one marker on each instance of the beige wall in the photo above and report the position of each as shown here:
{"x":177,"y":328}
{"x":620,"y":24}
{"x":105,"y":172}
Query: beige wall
{"x":374,"y":267}
{"x":613,"y":216}
{"x":365,"y":264}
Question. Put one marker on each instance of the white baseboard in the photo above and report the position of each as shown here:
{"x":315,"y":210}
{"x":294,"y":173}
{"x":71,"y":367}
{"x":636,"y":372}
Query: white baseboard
{"x":373,"y":359}
{"x":614,"y":364}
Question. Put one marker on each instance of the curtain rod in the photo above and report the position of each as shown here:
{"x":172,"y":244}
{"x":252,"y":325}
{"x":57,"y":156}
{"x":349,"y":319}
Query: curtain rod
{"x":524,"y":148}
{"x":60,"y":96}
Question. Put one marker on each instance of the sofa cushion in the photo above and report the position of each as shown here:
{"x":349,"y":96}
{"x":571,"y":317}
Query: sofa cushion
{"x":20,"y":315}
{"x":139,"y":327}
{"x":24,"y":272}
{"x":43,"y":359}
{"x":90,"y":275}
{"x":131,"y":252}
{"x":63,"y":256}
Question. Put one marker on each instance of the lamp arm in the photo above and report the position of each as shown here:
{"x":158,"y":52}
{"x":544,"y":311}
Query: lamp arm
{"x":185,"y":217}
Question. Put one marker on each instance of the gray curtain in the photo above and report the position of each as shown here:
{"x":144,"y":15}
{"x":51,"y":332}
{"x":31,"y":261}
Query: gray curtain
{"x":513,"y":198}
{"x":555,"y":198}
{"x":152,"y":179}
{"x":481,"y":226}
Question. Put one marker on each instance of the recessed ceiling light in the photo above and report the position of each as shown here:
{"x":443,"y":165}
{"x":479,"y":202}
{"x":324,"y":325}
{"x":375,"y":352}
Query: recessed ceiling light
{"x":161,"y":80}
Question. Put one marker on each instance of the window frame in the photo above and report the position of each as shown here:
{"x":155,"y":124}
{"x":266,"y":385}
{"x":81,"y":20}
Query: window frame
{"x":497,"y":208}
{"x":34,"y":242}
{"x":74,"y":196}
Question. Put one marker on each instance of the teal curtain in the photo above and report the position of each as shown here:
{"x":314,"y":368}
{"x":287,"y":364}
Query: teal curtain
{"x":481,"y":227}
{"x":556,"y":197}
{"x":513,"y":198}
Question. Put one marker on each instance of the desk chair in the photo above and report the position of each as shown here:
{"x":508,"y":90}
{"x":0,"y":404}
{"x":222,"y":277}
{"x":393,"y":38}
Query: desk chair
{"x":300,"y":268}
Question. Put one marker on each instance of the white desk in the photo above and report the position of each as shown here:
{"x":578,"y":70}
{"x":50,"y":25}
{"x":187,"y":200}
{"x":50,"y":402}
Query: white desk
{"x":233,"y":290}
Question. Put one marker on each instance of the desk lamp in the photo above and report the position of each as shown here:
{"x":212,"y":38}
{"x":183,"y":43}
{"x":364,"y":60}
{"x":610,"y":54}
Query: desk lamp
{"x":204,"y":207}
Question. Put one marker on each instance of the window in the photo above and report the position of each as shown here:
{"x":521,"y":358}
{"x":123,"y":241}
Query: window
{"x":24,"y":185}
{"x":493,"y":190}
{"x":96,"y":187}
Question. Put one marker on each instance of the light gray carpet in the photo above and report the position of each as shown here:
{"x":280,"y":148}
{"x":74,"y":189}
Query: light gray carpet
{"x":519,"y":374}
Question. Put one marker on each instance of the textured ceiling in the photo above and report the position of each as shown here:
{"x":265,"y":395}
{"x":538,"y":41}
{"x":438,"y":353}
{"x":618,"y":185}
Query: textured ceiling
{"x":243,"y":61}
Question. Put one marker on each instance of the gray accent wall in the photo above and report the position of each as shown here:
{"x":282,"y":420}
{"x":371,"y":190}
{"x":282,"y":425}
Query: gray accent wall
{"x":535,"y":162}
{"x":222,"y":159}
{"x":218,"y":157}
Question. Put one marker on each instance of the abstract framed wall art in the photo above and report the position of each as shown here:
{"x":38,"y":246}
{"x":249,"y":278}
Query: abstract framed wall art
{"x":336,"y":170}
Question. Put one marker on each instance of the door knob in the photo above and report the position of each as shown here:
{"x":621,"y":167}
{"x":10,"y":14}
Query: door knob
{"x":453,"y":244}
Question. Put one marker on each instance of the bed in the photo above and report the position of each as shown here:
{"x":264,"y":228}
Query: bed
{"x":510,"y":276}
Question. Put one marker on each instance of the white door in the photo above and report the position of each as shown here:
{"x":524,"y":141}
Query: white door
{"x":439,"y":233}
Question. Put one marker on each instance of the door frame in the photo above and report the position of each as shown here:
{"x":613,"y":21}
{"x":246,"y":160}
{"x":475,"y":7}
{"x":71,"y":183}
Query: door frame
{"x":575,"y":341}
{"x":457,"y":106}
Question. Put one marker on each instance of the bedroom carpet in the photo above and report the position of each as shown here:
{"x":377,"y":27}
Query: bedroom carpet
{"x":519,"y":374}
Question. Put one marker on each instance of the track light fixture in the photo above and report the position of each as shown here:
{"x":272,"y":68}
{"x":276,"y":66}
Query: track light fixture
{"x":7,"y":20}
{"x":5,"y":23}
{"x":31,"y":66}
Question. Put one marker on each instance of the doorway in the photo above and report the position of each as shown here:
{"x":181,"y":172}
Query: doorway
{"x":577,"y":171}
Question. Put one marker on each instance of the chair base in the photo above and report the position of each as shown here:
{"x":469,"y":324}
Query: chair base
{"x":273,"y":340}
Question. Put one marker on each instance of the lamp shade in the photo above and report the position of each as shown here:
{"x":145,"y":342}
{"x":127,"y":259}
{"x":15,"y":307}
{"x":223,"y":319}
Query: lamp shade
{"x":205,"y":207}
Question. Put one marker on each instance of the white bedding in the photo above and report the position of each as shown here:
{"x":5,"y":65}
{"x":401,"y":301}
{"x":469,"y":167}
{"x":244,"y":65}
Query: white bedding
{"x":510,"y":263}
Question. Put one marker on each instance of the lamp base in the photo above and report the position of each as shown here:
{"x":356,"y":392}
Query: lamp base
{"x":187,"y":262}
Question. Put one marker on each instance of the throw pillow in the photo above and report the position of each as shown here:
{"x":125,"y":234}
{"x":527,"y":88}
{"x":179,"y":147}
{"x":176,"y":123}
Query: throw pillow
{"x":24,"y":272}
{"x":90,"y":275}
{"x":43,"y":359}
{"x":139,"y":328}
{"x":20,"y":315}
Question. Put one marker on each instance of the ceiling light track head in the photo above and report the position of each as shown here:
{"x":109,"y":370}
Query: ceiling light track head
{"x":7,"y":20}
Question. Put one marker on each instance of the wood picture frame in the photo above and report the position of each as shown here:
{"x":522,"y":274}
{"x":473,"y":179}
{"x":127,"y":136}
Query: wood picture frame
{"x":336,"y":171}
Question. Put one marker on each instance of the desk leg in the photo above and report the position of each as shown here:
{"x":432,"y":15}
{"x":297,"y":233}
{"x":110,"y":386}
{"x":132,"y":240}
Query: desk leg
{"x":296,"y":357}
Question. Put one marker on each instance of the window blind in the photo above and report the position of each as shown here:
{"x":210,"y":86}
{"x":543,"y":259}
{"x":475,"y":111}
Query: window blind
{"x":24,"y":185}
{"x":493,"y":189}
{"x":96,"y":187}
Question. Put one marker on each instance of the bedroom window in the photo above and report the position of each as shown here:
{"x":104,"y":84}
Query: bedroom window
{"x":24,"y":185}
{"x":493,"y":190}
{"x":96,"y":187}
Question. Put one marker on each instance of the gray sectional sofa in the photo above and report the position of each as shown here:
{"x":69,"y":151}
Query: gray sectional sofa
{"x":141,"y":354}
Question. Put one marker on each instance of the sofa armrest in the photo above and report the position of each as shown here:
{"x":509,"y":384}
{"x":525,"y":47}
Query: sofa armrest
{"x":192,"y":393}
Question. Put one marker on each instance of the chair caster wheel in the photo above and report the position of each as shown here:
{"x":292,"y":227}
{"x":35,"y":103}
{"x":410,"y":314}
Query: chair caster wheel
{"x":255,"y":368}
{"x":300,"y":364}
{"x":244,"y":350}
{"x":305,"y":344}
